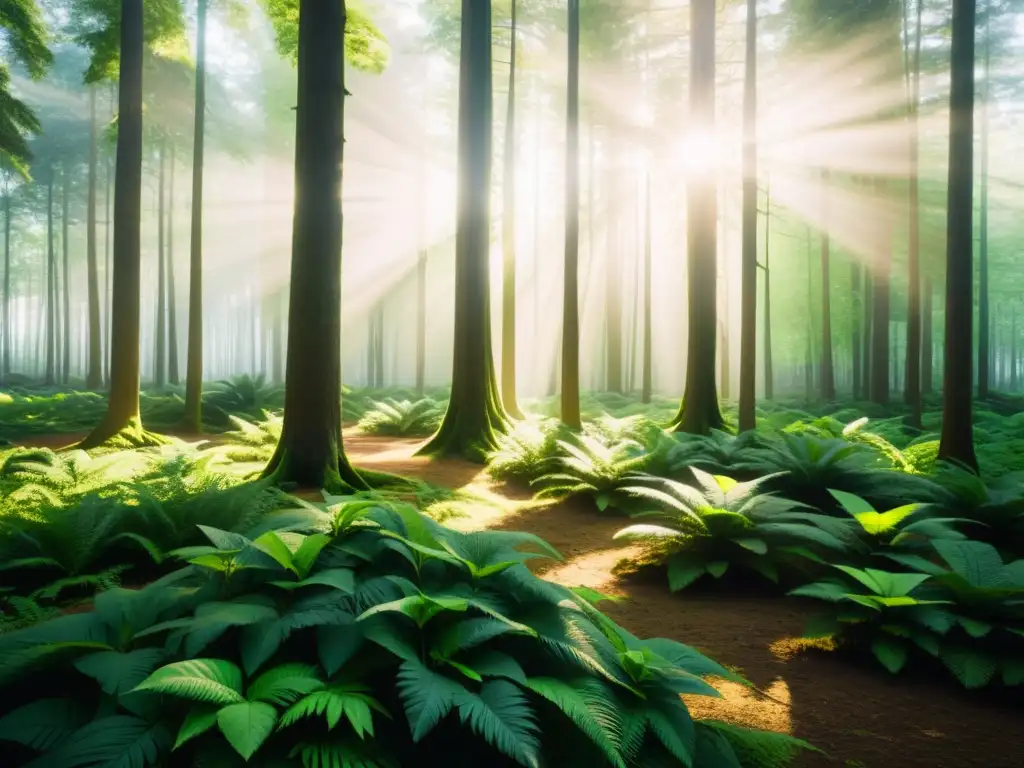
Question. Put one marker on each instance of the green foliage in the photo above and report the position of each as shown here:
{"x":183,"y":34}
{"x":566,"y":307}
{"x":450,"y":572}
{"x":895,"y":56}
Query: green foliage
{"x":402,"y":418}
{"x":244,"y":394}
{"x":907,"y":526}
{"x":723,"y":524}
{"x":587,"y":465}
{"x":366,"y":48}
{"x":359,"y":634}
{"x":525,"y":451}
{"x":26,"y":38}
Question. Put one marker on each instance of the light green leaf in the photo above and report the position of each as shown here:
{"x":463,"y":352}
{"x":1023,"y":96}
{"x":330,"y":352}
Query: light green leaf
{"x":891,"y":652}
{"x":247,"y":725}
{"x":205,"y":680}
{"x":197,"y":722}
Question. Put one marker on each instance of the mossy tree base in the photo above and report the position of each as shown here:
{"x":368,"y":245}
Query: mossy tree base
{"x":697,"y":421}
{"x":122,"y":435}
{"x":295,"y":467}
{"x":470,"y":433}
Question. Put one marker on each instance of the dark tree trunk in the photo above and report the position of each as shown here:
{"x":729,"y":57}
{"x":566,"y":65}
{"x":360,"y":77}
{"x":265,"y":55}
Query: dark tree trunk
{"x":310,"y":452}
{"x":8,"y":337}
{"x":570,"y":304}
{"x":1013,"y":351}
{"x":173,"y":371}
{"x":957,"y":441}
{"x":51,"y":289}
{"x":699,"y":412}
{"x":927,"y":341}
{"x":122,"y":418}
{"x":809,"y":354}
{"x":475,"y":413}
{"x":868,"y":315}
{"x":984,"y":314}
{"x":827,"y":374}
{"x":107,"y":275}
{"x":193,"y":417}
{"x":508,"y":242}
{"x":748,"y":270}
{"x":912,"y":390}
{"x":65,"y":366}
{"x":613,"y":276}
{"x":94,"y":371}
{"x":160,"y":343}
{"x":880,"y":276}
{"x":769,"y":373}
{"x":856,"y":301}
{"x":647,"y":381}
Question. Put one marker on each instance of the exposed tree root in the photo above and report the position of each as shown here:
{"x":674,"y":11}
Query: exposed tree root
{"x":122,"y":436}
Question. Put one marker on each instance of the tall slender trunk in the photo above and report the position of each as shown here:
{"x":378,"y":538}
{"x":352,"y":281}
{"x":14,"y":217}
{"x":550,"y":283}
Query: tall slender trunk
{"x":647,"y":383}
{"x":51,"y":288}
{"x":809,"y":352}
{"x":193,"y":417}
{"x":880,"y":296}
{"x":927,"y":340}
{"x":699,"y":412}
{"x":421,"y":321}
{"x":570,"y":306}
{"x":984,"y":313}
{"x":856,"y":302}
{"x":868,"y":315}
{"x":748,"y":269}
{"x":122,"y":416}
{"x":912,"y":390}
{"x":957,"y":442}
{"x":94,"y":370}
{"x":827,"y":374}
{"x":508,"y":241}
{"x":475,"y":414}
{"x":8,"y":336}
{"x":173,"y":370}
{"x":107,"y":275}
{"x":160,"y":344}
{"x":1013,"y":351}
{"x":613,"y":275}
{"x":769,"y":371}
{"x":65,"y":366}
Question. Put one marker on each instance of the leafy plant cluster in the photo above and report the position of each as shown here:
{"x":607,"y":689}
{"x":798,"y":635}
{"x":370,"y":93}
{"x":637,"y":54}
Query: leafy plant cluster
{"x":358,"y":634}
{"x":402,"y":418}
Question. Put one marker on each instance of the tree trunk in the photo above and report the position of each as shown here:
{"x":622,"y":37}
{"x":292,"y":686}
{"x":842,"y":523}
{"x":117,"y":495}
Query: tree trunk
{"x":748,"y":269}
{"x":769,"y":372}
{"x":173,"y":371}
{"x":122,"y":419}
{"x":984,"y":313}
{"x":856,"y":302}
{"x":65,"y":366}
{"x":1013,"y":351}
{"x":827,"y":374}
{"x":809,"y":353}
{"x":927,"y":342}
{"x":957,"y":442}
{"x":94,"y":371}
{"x":51,"y":288}
{"x":613,"y":276}
{"x":310,"y":452}
{"x":647,"y":382}
{"x":160,"y":343}
{"x":8,"y":337}
{"x":570,"y":304}
{"x":699,"y":412}
{"x":421,"y":322}
{"x":107,"y":275}
{"x":880,"y":276}
{"x":475,"y":413}
{"x":912,"y":390}
{"x":193,"y":417}
{"x":508,"y":242}
{"x":868,"y":315}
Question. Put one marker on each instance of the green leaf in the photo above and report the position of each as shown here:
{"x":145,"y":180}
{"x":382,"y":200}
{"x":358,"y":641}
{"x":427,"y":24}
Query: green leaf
{"x":502,"y":716}
{"x":852,"y":503}
{"x":891,"y":652}
{"x":349,"y":701}
{"x":683,"y":570}
{"x":341,"y":579}
{"x":205,"y":680}
{"x":271,"y":544}
{"x":757,"y":546}
{"x":117,"y":741}
{"x":285,"y":684}
{"x":674,"y":728}
{"x":973,"y":668}
{"x":197,"y":722}
{"x":590,"y":707}
{"x":42,"y":723}
{"x":973,"y":627}
{"x":426,"y":695}
{"x":247,"y":725}
{"x":337,"y":644}
{"x":307,"y":553}
{"x":151,"y":549}
{"x":718,"y":568}
{"x":979,"y":564}
{"x":119,"y":673}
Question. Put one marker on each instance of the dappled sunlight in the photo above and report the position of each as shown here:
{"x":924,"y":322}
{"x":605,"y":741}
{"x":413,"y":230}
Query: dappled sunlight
{"x":741,"y":705}
{"x":593,"y":569}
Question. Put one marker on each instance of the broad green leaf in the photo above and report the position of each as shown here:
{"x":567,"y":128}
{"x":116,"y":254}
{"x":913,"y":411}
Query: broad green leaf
{"x":197,"y":722}
{"x":588,"y":704}
{"x":427,"y":697}
{"x":757,"y":546}
{"x":247,"y":725}
{"x":979,"y":564}
{"x":271,"y":544}
{"x":214,"y":681}
{"x":973,"y":668}
{"x":285,"y":684}
{"x":307,"y":553}
{"x":683,"y":570}
{"x":42,"y":723}
{"x":718,"y":568}
{"x":116,"y":741}
{"x":501,"y":715}
{"x":117,"y":672}
{"x":852,"y":503}
{"x":891,"y":652}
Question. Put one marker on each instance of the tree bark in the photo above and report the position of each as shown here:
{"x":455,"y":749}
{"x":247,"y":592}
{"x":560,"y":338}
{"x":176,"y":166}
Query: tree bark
{"x":984,"y":313}
{"x":912,"y":390}
{"x":310,"y":452}
{"x":647,"y":382}
{"x":173,"y":370}
{"x":570,"y":303}
{"x":122,"y":419}
{"x":927,"y":340}
{"x":699,"y":412}
{"x":193,"y":417}
{"x":613,"y":276}
{"x":94,"y":371}
{"x":107,"y":275}
{"x":160,"y":343}
{"x":856,"y":312}
{"x":8,"y":337}
{"x":50,"y":377}
{"x":509,"y":394}
{"x":957,"y":441}
{"x":880,"y":295}
{"x":475,"y":412}
{"x":748,"y":269}
{"x":827,"y":374}
{"x":421,"y":322}
{"x":65,"y":366}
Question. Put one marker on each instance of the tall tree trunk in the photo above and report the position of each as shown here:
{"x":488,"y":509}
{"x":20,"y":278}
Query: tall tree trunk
{"x":748,"y":269}
{"x":769,"y":370}
{"x":173,"y":371}
{"x":613,"y":276}
{"x":957,"y":442}
{"x":699,"y":412}
{"x":94,"y":371}
{"x":880,"y":295}
{"x":984,"y":313}
{"x":193,"y":417}
{"x":912,"y":390}
{"x":277,"y":337}
{"x":570,"y":301}
{"x":827,"y":374}
{"x":122,"y":418}
{"x":647,"y":381}
{"x":310,"y":452}
{"x":856,"y":312}
{"x":809,"y":352}
{"x":868,"y":315}
{"x":65,"y":366}
{"x":1013,"y":351}
{"x":927,"y":341}
{"x":160,"y":344}
{"x":475,"y":413}
{"x":8,"y":336}
{"x":508,"y":241}
{"x":107,"y":274}
{"x":51,"y":288}
{"x":421,"y":321}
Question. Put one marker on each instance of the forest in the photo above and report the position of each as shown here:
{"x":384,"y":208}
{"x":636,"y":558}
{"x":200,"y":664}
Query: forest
{"x":546,"y":383}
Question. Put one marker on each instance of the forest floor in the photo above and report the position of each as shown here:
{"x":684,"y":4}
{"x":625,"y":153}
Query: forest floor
{"x":852,"y":710}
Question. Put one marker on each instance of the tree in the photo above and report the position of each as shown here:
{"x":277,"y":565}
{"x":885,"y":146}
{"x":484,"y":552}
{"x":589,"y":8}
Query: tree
{"x":957,"y":441}
{"x":748,"y":288}
{"x":94,"y":371}
{"x":508,"y":239}
{"x":311,"y":452}
{"x":827,"y":370}
{"x":27,"y":40}
{"x":912,"y":389}
{"x":984,"y":311}
{"x":699,"y":412}
{"x":475,"y":412}
{"x":570,"y":301}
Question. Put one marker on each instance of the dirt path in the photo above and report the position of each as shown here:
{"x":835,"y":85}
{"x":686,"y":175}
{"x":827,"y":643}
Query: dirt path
{"x":853,"y":711}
